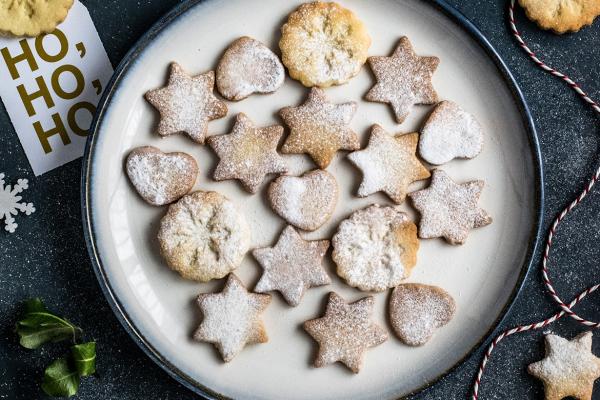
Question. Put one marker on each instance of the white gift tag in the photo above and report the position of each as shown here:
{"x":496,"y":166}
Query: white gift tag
{"x":50,"y":86}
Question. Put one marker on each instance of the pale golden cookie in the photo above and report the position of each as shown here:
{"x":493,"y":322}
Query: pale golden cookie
{"x":32,"y":17}
{"x":417,"y":311}
{"x":248,"y":153}
{"x":403,"y":79}
{"x":306,"y":201}
{"x":345,"y":332}
{"x":569,"y":369}
{"x":248,"y":67}
{"x":448,"y":209}
{"x":375,"y":248}
{"x":319,"y":128}
{"x":561,"y":15}
{"x":203,"y":236}
{"x":389,"y":164}
{"x":160,"y":178}
{"x":231,"y":318}
{"x":292,"y":266}
{"x":186,"y":104}
{"x":323,"y":44}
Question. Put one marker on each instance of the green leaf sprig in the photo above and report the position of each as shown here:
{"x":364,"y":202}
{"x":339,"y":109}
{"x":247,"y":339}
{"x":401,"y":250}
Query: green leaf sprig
{"x":39,"y":326}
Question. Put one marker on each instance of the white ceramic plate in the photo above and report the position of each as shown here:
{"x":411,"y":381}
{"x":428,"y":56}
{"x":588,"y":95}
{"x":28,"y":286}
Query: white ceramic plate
{"x":157,"y":307}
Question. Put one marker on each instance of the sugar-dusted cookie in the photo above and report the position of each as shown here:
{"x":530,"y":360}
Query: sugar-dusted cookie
{"x":203,"y":236}
{"x":160,"y":178}
{"x":569,"y":369}
{"x":448,"y":209}
{"x":389,"y":164}
{"x":319,"y":128}
{"x":450,"y":132}
{"x":292,"y":266}
{"x":345,"y":332}
{"x":186,"y":104}
{"x":323,"y":44}
{"x":231,"y":318}
{"x":376,"y":248}
{"x":248,"y":153}
{"x":31,"y":18}
{"x":417,"y":311}
{"x":248,"y":67}
{"x":306,"y":201}
{"x":561,"y":15}
{"x":403,"y":79}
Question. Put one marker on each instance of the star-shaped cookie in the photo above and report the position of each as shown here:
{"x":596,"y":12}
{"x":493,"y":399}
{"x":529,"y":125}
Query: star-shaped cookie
{"x":319,"y":128}
{"x":403,"y":79}
{"x":231,"y":318}
{"x":248,"y":153}
{"x":292,"y":266}
{"x":569,"y":369}
{"x":389,"y":164}
{"x":449,"y":209}
{"x":345,"y":332}
{"x":186,"y":104}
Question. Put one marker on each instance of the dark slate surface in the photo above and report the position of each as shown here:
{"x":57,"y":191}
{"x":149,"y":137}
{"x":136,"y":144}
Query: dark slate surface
{"x":47,"y":255}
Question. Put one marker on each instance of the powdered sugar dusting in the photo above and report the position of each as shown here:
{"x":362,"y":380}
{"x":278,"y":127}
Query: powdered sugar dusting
{"x":375,"y":249}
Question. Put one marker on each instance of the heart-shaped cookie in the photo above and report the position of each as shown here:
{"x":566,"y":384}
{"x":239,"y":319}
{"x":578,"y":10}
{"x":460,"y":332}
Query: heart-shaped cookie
{"x":306,"y":202}
{"x":417,"y":310}
{"x":248,"y":67}
{"x":450,"y":132}
{"x":160,"y":178}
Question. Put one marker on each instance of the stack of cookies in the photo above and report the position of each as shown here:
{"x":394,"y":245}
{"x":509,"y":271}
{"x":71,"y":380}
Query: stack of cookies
{"x":204,"y":237}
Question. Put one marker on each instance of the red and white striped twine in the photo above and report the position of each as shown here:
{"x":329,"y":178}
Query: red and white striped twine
{"x":566,"y":309}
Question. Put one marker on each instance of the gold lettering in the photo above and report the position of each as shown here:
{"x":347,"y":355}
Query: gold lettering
{"x":59,"y":129}
{"x":76,"y":74}
{"x":26,"y":55}
{"x":64,"y":47}
{"x":71,"y":117}
{"x":28,"y":98}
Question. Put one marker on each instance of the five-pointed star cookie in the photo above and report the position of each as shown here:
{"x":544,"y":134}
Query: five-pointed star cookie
{"x":248,"y":153}
{"x":319,"y":128}
{"x":345,"y":332}
{"x":403,"y":79}
{"x":186,"y":104}
{"x":569,"y":369}
{"x":231,"y":318}
{"x":292,"y":266}
{"x":389,"y":164}
{"x":449,"y":209}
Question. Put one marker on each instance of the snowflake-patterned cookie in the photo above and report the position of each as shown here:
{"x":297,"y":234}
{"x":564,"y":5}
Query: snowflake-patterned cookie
{"x":248,"y":153}
{"x":319,"y":128}
{"x":292,"y":266}
{"x":345,"y":332}
{"x":569,"y":369}
{"x":449,"y":209}
{"x":186,"y":104}
{"x":231,"y":318}
{"x":389,"y":164}
{"x":10,"y":202}
{"x":403,"y":79}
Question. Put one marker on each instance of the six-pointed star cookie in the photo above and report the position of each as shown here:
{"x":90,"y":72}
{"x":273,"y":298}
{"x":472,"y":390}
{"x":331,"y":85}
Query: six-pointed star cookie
{"x":231,"y":318}
{"x":389,"y":164}
{"x":319,"y":128}
{"x":186,"y":104}
{"x":345,"y":332}
{"x":449,"y":209}
{"x":248,"y":153}
{"x":404,"y":79}
{"x":569,"y":369}
{"x":292,"y":266}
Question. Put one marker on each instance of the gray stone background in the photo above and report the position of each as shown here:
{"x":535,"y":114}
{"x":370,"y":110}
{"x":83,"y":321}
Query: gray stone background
{"x":46,"y":257}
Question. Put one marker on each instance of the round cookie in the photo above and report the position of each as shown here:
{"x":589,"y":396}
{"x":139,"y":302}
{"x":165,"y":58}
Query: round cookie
{"x":323,"y":44}
{"x":203,"y":236}
{"x":417,"y":310}
{"x":31,"y":18}
{"x":248,"y":67}
{"x":376,"y":248}
{"x":561,"y":15}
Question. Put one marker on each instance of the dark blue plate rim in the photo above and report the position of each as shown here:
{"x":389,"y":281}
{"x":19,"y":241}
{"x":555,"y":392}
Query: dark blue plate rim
{"x":86,"y":204}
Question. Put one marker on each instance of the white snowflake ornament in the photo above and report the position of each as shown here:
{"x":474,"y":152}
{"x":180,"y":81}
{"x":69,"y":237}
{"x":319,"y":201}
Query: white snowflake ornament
{"x":10,"y":203}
